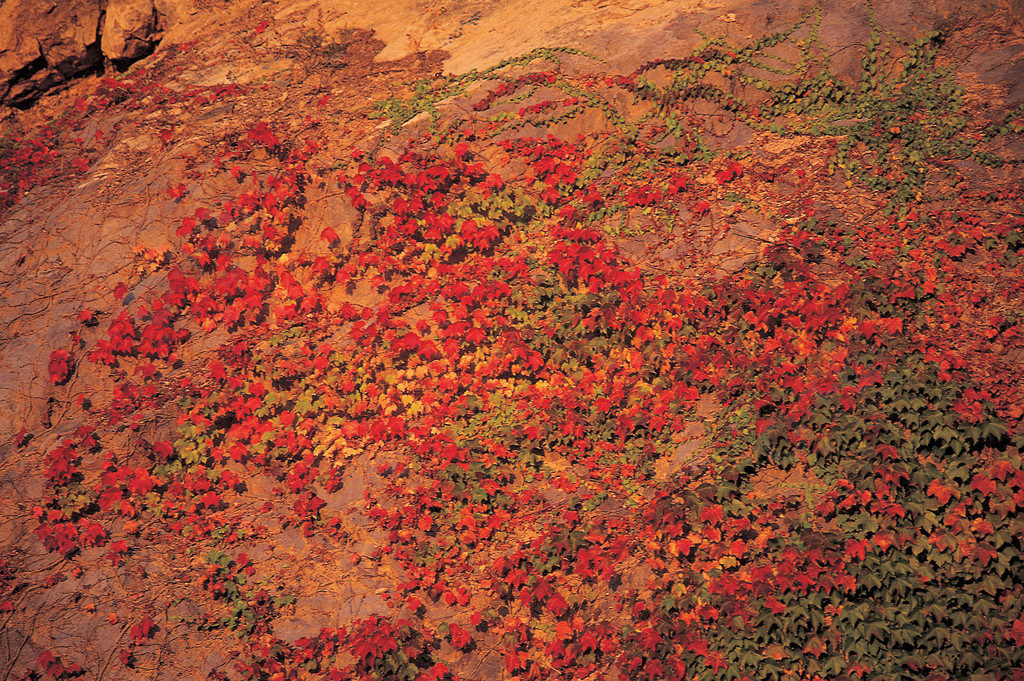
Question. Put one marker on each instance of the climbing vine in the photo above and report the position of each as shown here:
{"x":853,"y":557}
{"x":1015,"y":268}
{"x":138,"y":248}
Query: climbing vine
{"x":500,"y":336}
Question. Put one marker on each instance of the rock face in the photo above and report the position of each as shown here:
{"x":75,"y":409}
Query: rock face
{"x":43,"y":44}
{"x":128,"y":30}
{"x":92,"y":241}
{"x":46,"y":43}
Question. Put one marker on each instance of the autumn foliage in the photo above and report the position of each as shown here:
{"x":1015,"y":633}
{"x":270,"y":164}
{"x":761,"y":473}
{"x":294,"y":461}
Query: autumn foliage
{"x":527,"y":374}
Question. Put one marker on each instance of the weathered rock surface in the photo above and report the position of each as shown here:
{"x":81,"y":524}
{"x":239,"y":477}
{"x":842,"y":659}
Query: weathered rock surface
{"x":43,"y":44}
{"x":46,"y":43}
{"x":65,"y":246}
{"x":128,"y":29}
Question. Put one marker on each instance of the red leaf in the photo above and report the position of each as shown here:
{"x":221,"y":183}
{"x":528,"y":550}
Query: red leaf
{"x":984,"y":484}
{"x":60,"y":366}
{"x":1016,"y":632}
{"x":142,"y":482}
{"x":649,"y":639}
{"x":891,"y":324}
{"x":711,"y":514}
{"x":857,"y":548}
{"x":264,"y":135}
{"x":556,"y":604}
{"x":460,"y":637}
{"x":984,"y":552}
{"x":210,"y":500}
{"x":116,"y":549}
{"x":163,"y":450}
{"x":937,"y":490}
{"x":45,"y":659}
{"x":109,"y":497}
{"x":730,"y":173}
{"x":329,"y":235}
{"x":515,"y":660}
{"x":95,"y":534}
{"x":143,"y":630}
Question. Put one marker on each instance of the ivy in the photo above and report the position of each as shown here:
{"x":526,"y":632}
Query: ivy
{"x":520,"y":382}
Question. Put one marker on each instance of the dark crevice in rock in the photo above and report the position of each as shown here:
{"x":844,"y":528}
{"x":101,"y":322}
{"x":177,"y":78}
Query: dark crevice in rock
{"x":122,"y":65}
{"x":19,"y":94}
{"x":80,"y":65}
{"x":21,"y":88}
{"x":39,"y":78}
{"x":30,"y":69}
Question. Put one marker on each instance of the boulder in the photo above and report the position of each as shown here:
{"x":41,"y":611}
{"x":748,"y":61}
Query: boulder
{"x":129,"y":30}
{"x":46,"y":43}
{"x":43,"y":43}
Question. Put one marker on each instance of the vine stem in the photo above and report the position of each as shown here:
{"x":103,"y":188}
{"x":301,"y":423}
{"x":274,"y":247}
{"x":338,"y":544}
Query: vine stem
{"x":106,"y":663}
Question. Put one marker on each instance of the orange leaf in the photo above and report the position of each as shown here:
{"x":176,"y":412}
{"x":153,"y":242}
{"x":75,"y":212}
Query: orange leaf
{"x":937,"y":490}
